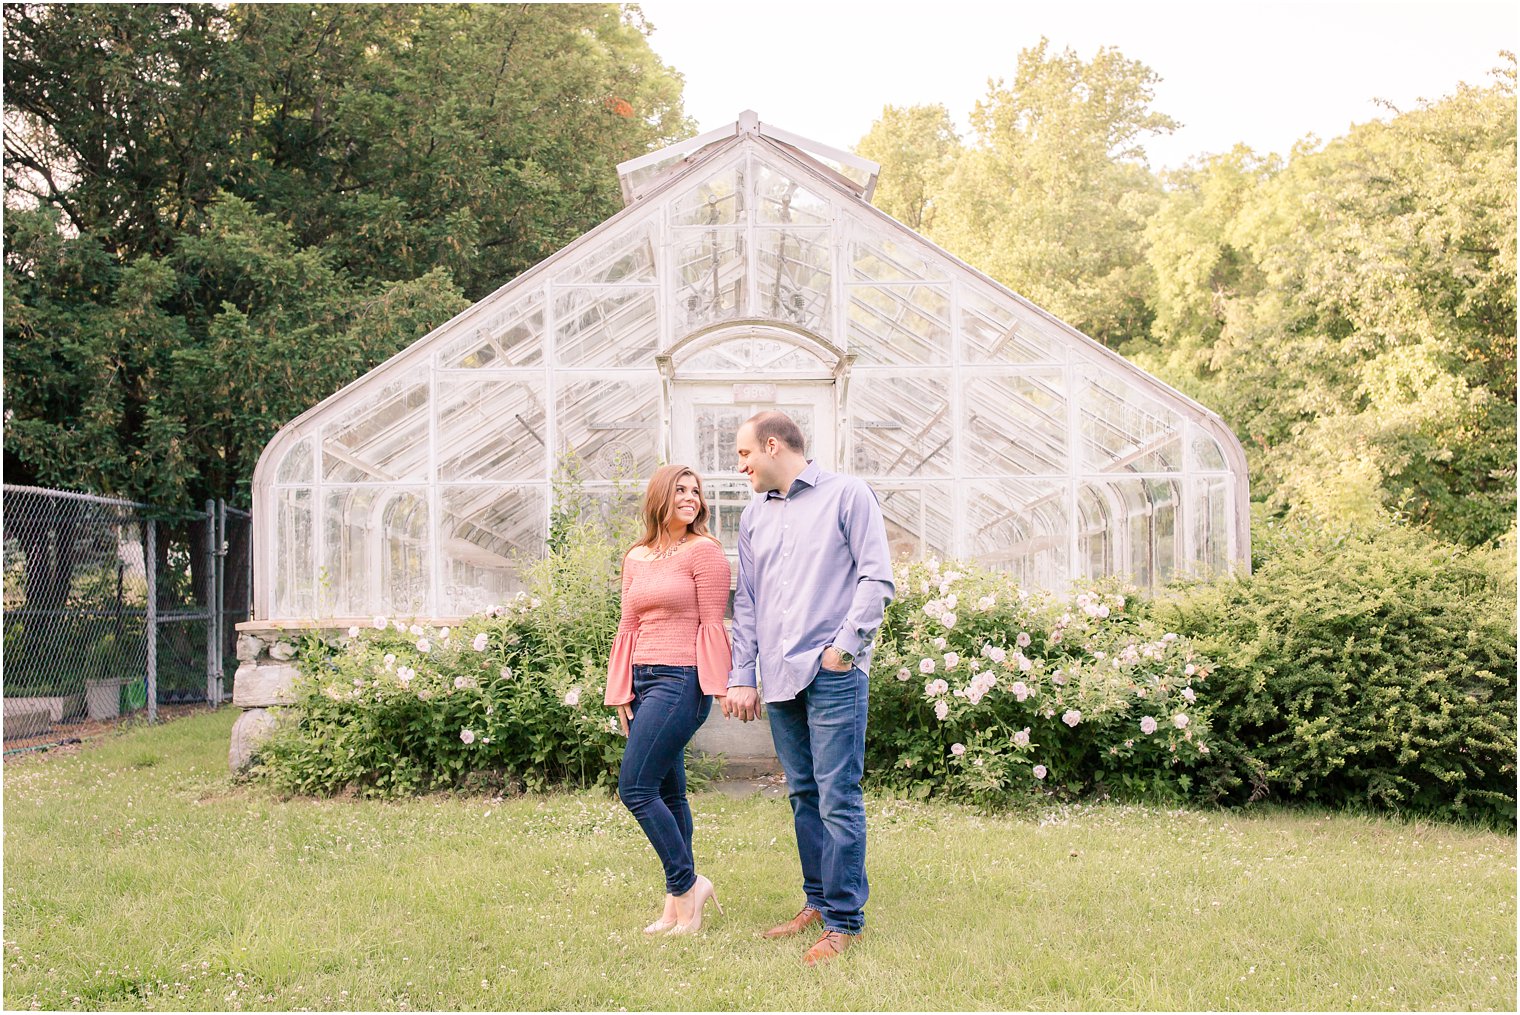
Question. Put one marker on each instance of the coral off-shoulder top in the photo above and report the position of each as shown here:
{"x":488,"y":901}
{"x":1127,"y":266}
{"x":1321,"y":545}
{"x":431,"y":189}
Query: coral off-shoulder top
{"x":673,"y":616}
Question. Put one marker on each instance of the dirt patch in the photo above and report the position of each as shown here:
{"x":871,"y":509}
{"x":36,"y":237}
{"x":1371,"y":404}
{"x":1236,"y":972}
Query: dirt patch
{"x":70,"y":738}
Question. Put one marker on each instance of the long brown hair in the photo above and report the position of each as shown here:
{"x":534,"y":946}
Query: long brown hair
{"x":659,"y":499}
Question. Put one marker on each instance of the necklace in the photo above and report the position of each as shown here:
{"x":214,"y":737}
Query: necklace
{"x":668,"y":552}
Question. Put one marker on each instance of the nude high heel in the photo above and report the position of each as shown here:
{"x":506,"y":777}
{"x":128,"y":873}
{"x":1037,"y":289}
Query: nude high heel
{"x":666,"y":920}
{"x":700,"y":893}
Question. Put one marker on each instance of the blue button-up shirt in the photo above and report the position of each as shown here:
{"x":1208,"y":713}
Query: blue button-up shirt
{"x":814,"y":570}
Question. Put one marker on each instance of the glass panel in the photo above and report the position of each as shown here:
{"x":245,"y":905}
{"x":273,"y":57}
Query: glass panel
{"x":794,"y":273}
{"x":749,"y":356}
{"x":485,"y":533}
{"x":709,"y":277}
{"x":719,"y":200}
{"x":1210,"y":514}
{"x":1002,"y":331}
{"x":1141,"y":515}
{"x":1124,"y":429}
{"x":917,"y":517}
{"x":601,"y":327}
{"x":782,"y":199}
{"x":491,"y":429}
{"x":718,"y":427}
{"x":901,"y":424}
{"x":1095,"y":531}
{"x":296,"y":466}
{"x":377,"y":552}
{"x":295,"y":565}
{"x":900,"y":324}
{"x":383,"y":439}
{"x":1021,"y":526}
{"x":625,"y":258}
{"x":610,"y":424}
{"x":726,"y":500}
{"x":878,"y":257}
{"x":510,"y":336}
{"x":1015,"y":423}
{"x":1208,"y":456}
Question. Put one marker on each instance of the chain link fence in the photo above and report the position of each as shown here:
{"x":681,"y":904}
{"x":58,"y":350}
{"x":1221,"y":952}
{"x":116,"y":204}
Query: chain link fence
{"x":113,"y":607}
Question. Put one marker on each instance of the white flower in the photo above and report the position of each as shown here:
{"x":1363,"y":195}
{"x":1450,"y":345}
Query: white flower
{"x":935,"y":687}
{"x":1119,"y":602}
{"x":1179,"y":720}
{"x":445,"y":632}
{"x":904,"y":674}
{"x":957,"y":749}
{"x":1103,"y":611}
{"x":941,"y":709}
{"x":353,"y":632}
{"x":951,"y":601}
{"x":461,"y":682}
{"x":399,"y":626}
{"x":423,"y":645}
{"x":939,"y":644}
{"x":996,"y":654}
{"x":468,"y":736}
{"x":480,"y":642}
{"x":390,"y":659}
{"x":952,"y":660}
{"x":1058,"y":678}
{"x":1039,"y":771}
{"x":1071,"y":717}
{"x":1020,"y":691}
{"x":948,"y":620}
{"x":379,"y":623}
{"x":986,"y":603}
{"x":1147,"y":724}
{"x":1190,"y":669}
{"x":926,"y":666}
{"x":573,"y":697}
{"x":1188,"y":695}
{"x":1055,"y":637}
{"x":1021,"y":738}
{"x":1023,"y":639}
{"x":506,"y":673}
{"x":415,"y":631}
{"x":1025,"y":665}
{"x":1169,"y":636}
{"x":405,"y":675}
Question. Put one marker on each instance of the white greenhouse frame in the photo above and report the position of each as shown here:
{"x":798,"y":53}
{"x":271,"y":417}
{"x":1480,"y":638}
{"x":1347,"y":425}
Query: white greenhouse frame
{"x":747,"y":270}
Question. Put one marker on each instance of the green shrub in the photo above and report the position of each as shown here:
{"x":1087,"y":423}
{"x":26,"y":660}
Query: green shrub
{"x":512,"y":698}
{"x":982,"y":691}
{"x":1363,"y":669}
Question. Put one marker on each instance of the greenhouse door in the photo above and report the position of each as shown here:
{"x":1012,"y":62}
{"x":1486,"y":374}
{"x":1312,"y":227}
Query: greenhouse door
{"x":706,"y":418}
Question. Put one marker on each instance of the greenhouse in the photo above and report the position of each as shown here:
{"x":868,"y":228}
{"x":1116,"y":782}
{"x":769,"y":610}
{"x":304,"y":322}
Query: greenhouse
{"x":747,"y":271}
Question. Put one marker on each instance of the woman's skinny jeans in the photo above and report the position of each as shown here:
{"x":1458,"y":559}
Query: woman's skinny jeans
{"x":668,"y":706}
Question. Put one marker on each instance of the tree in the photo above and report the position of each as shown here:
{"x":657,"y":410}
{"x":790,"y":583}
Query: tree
{"x":1053,"y":194}
{"x":916,"y":147}
{"x":218,"y":215}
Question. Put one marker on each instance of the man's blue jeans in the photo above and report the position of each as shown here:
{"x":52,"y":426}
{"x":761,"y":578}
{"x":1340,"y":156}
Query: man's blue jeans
{"x":668,"y":706}
{"x":820,"y":738}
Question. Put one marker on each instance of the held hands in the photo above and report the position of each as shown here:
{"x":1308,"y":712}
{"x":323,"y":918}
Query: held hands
{"x":742,"y":703}
{"x":625,"y":716}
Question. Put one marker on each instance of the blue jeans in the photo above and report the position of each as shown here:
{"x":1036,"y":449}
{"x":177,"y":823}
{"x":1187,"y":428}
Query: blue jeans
{"x":668,"y":706}
{"x":820,"y":738}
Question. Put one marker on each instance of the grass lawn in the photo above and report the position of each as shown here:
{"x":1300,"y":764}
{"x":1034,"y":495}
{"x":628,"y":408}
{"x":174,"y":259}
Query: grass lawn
{"x":137,"y":875}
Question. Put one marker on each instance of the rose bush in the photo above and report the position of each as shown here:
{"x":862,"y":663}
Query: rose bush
{"x":981,"y":690}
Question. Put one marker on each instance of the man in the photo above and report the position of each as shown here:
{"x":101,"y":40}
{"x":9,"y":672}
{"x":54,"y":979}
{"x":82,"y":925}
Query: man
{"x":815,"y":576}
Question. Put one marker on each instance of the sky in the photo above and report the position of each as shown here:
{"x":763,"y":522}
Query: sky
{"x":1262,"y":73}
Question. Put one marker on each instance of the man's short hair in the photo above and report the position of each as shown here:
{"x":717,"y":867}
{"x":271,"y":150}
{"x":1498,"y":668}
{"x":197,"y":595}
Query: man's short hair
{"x":779,"y":425}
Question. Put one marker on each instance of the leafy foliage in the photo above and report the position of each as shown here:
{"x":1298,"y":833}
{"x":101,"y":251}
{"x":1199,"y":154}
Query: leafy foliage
{"x":217,"y":215}
{"x":983,"y":691}
{"x":1373,"y":669}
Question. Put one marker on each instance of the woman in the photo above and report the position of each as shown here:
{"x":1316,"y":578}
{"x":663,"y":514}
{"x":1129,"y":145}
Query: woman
{"x":670,"y":657}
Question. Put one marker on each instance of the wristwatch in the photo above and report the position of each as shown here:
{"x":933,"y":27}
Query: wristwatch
{"x":848,"y":658}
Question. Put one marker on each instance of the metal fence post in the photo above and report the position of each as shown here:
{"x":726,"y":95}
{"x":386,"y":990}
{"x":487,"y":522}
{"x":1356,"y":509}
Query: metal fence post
{"x":150,"y":553}
{"x":213,"y":642}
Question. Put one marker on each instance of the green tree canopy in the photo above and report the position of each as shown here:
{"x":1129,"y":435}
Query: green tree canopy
{"x":218,"y":215}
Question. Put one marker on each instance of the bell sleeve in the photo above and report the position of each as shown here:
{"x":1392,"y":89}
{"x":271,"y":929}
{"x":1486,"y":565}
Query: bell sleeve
{"x":714,"y":657}
{"x":620,"y":661}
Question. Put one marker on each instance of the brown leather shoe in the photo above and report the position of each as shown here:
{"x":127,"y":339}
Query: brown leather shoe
{"x":796,"y":925}
{"x":827,"y":947}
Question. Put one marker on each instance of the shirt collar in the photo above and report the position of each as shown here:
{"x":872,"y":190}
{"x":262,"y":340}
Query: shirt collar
{"x":807,"y":477}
